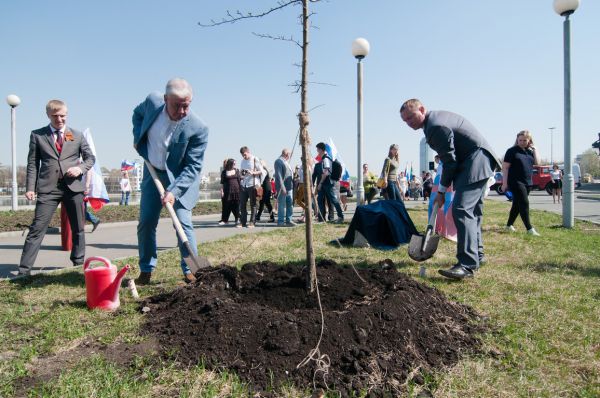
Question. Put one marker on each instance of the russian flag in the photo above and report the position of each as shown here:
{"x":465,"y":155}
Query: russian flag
{"x":97,"y":195}
{"x":127,"y":165}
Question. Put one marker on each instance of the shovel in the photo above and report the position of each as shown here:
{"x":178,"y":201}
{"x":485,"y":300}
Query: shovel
{"x":422,"y":247}
{"x":193,"y":262}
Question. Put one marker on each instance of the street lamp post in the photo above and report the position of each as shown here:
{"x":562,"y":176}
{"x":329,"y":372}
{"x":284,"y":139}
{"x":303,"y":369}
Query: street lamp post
{"x":565,"y":8}
{"x":14,"y":101}
{"x":551,"y":144}
{"x":360,"y":49}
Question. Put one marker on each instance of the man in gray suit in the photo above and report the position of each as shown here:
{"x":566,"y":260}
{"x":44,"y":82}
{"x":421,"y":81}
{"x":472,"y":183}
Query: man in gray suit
{"x":284,"y":189}
{"x":469,"y":162}
{"x":58,"y":159}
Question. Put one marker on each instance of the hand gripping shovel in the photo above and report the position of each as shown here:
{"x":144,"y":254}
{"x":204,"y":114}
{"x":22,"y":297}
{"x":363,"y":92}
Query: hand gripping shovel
{"x":422,"y":247}
{"x":193,"y":262}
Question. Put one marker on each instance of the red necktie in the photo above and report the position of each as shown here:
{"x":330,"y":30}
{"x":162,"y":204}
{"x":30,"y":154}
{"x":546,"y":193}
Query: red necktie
{"x":59,"y":141}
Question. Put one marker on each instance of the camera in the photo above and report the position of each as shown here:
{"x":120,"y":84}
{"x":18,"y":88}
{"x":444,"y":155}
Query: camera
{"x":245,"y":172}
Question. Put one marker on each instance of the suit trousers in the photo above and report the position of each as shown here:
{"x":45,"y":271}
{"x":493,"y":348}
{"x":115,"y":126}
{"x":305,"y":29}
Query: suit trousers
{"x":44,"y":210}
{"x":467,"y":210}
{"x":150,"y":208}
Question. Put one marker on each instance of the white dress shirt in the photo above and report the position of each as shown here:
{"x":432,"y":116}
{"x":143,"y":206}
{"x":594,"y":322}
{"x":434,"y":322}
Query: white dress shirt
{"x":159,"y":137}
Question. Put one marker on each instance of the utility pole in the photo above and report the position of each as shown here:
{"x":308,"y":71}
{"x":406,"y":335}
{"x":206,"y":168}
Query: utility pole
{"x":551,"y":144}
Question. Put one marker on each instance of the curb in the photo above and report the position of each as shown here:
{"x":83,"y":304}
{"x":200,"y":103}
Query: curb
{"x":589,"y":197}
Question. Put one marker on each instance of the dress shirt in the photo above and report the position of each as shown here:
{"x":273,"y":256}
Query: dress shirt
{"x":159,"y":137}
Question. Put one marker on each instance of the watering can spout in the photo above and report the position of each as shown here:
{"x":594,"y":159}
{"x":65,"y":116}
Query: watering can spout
{"x":116,"y":284}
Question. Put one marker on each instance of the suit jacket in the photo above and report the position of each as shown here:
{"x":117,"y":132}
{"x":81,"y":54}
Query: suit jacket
{"x":466,"y":154}
{"x":45,"y":165}
{"x":283,"y":176}
{"x":185,"y":154}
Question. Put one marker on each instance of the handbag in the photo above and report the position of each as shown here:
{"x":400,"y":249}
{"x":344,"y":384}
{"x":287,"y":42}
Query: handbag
{"x":382,"y":181}
{"x":259,"y":189}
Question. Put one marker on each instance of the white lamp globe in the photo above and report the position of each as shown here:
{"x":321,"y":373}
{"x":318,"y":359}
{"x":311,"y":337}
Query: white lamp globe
{"x":13,"y":100}
{"x":565,"y":7}
{"x":360,"y":48}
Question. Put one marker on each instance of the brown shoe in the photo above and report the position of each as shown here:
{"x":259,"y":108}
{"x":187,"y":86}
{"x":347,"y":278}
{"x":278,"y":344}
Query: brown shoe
{"x":144,"y":278}
{"x":189,"y":278}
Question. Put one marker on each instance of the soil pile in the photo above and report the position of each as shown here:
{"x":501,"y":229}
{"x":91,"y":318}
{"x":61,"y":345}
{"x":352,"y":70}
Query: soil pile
{"x":381,"y":328}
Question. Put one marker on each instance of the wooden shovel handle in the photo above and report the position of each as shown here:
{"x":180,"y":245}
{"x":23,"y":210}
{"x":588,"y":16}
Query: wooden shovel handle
{"x":169,"y":206}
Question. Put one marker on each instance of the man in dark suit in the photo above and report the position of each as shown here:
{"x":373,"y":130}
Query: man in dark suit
{"x":173,"y":139}
{"x":58,"y":159}
{"x":469,"y":162}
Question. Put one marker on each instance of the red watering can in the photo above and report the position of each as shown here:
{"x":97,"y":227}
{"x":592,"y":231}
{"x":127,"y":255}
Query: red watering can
{"x":102,"y":284}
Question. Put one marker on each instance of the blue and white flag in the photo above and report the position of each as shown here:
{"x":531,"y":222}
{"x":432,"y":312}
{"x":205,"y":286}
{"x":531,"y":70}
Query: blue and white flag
{"x":332,"y":151}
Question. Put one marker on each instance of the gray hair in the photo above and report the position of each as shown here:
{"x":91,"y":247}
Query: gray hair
{"x":179,"y":88}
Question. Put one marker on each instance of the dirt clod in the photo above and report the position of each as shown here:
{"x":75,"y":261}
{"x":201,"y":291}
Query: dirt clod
{"x":380,"y":329}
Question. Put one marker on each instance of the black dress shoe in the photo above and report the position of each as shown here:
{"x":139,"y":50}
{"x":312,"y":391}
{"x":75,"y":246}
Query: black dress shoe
{"x":457,"y":272}
{"x":144,"y":278}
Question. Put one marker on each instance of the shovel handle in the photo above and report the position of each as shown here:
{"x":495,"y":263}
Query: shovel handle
{"x":433,"y":215}
{"x":169,"y":206}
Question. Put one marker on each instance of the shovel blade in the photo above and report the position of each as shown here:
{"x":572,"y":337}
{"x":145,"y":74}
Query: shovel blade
{"x":415,"y":248}
{"x":194,"y":262}
{"x":431,"y":246}
{"x":418,"y":252}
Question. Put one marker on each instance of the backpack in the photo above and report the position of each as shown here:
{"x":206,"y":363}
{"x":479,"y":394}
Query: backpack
{"x":336,"y":170}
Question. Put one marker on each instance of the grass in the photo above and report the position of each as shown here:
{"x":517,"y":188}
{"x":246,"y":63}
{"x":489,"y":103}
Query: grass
{"x":21,"y":219}
{"x":541,"y":297}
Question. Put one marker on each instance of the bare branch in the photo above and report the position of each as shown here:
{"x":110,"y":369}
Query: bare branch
{"x":280,"y":37}
{"x":297,"y":84}
{"x":238,"y":16}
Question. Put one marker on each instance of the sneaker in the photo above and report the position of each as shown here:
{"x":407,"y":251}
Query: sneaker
{"x":95,"y":225}
{"x":280,"y":224}
{"x":338,"y":221}
{"x":533,"y":232}
{"x":251,"y":225}
{"x":290,"y":223}
{"x":222,"y":223}
{"x":509,"y":228}
{"x":24,"y":271}
{"x":238,"y":225}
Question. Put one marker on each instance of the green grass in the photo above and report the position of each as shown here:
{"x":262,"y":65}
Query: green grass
{"x":540,"y":296}
{"x":21,"y":219}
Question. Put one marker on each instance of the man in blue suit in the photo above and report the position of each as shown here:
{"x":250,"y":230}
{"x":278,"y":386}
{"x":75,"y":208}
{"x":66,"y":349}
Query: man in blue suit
{"x":469,"y":162}
{"x":173,"y":139}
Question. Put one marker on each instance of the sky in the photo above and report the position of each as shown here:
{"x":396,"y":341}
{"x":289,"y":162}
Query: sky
{"x":498,"y":63}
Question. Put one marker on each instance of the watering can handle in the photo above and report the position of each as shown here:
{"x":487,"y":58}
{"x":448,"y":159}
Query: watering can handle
{"x":103,"y":260}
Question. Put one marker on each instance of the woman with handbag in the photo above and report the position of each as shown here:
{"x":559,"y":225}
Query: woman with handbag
{"x":388,"y":180}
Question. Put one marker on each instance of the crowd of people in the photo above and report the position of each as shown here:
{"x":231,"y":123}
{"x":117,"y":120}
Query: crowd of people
{"x":173,"y":139}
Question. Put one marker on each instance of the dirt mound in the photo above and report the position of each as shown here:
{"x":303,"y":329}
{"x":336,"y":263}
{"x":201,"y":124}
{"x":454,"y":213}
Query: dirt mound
{"x":380,"y":328}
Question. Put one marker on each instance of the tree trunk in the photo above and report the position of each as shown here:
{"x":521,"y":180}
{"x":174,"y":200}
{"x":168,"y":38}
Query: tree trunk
{"x":305,"y":142}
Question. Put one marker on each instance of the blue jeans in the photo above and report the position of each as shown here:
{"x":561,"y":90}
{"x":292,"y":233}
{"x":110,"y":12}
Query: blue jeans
{"x":89,"y":216}
{"x":392,"y":190}
{"x":327,"y":192}
{"x":125,"y":198}
{"x":150,"y":207}
{"x":285,"y":207}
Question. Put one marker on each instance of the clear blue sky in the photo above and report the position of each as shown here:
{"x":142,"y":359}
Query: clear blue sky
{"x":498,"y":63}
